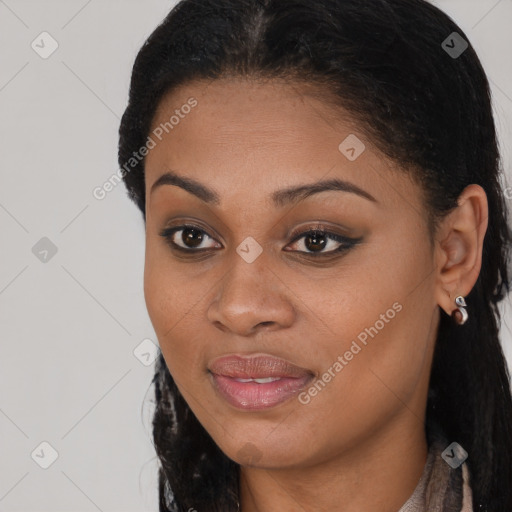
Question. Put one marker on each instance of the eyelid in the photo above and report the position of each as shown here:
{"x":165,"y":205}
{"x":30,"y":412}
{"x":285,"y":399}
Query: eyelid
{"x":315,"y":226}
{"x":345,"y":243}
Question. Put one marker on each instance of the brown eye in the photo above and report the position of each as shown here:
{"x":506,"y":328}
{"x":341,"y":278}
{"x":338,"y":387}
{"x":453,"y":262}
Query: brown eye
{"x":313,"y":243}
{"x":191,"y":237}
{"x":187,"y":238}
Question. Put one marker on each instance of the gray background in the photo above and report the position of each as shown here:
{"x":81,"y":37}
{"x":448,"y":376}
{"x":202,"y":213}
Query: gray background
{"x":71,"y":374}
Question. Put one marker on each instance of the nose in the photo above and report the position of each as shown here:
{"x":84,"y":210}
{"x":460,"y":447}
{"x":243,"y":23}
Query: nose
{"x":251,"y":297}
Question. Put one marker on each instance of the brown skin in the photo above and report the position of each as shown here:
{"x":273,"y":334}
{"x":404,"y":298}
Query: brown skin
{"x":359,"y":445}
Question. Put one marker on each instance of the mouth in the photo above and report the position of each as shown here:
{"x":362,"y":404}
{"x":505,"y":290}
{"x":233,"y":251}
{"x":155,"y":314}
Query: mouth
{"x":257,"y":382}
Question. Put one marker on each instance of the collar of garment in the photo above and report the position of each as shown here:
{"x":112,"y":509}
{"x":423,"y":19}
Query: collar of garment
{"x":441,"y":487}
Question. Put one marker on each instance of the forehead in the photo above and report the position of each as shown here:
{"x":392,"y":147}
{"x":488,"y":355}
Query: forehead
{"x":255,"y":107}
{"x":255,"y":137}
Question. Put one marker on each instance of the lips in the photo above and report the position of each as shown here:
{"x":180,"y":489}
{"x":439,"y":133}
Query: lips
{"x":256,"y":367}
{"x":257,"y":382}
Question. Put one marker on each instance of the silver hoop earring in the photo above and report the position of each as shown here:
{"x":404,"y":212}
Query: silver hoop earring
{"x":460,"y":314}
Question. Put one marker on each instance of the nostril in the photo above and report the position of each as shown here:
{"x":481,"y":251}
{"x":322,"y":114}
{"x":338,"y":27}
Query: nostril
{"x":265,"y":323}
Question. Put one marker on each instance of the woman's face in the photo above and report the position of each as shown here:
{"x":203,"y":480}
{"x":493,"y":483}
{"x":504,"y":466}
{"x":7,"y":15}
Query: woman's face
{"x":356,"y":316}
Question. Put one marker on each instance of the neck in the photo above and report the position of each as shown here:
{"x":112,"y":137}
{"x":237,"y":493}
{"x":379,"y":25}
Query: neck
{"x":379,"y":473}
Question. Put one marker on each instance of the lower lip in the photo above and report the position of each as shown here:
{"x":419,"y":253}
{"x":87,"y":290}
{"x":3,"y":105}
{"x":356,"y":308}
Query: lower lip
{"x":251,"y":395}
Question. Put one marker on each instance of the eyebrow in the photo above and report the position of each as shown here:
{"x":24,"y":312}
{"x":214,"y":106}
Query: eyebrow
{"x":280,"y":198}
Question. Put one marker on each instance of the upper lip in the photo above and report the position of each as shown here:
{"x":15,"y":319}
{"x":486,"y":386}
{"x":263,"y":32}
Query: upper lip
{"x":255,"y":367}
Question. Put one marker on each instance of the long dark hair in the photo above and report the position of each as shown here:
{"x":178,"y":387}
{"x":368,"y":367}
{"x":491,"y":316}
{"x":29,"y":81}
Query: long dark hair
{"x":421,"y":105}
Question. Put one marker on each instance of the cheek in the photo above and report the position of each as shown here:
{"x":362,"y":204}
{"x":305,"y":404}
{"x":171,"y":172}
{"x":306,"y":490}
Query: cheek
{"x":158,"y":292}
{"x":382,"y":320}
{"x":165,"y":299}
{"x":167,"y":291}
{"x":174,"y":302}
{"x":376,"y":378}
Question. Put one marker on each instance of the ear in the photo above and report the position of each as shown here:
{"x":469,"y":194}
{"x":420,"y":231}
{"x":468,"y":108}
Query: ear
{"x":458,"y":247}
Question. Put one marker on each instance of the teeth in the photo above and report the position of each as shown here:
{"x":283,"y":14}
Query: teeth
{"x":259,"y":381}
{"x":265,"y":380}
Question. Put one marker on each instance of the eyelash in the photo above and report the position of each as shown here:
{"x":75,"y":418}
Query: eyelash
{"x":318,"y":229}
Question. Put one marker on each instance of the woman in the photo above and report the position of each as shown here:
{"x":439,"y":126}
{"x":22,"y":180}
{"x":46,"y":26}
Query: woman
{"x":326,"y":245}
